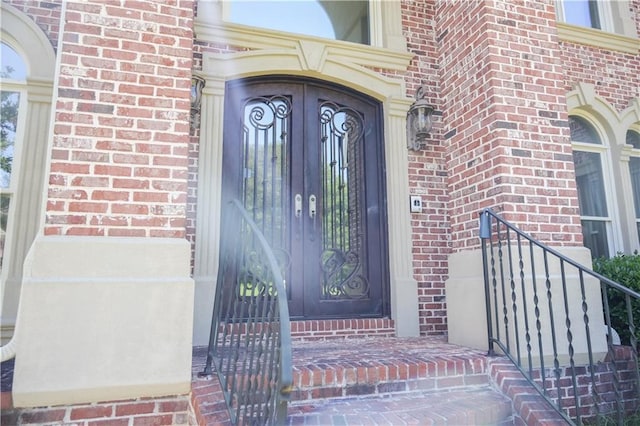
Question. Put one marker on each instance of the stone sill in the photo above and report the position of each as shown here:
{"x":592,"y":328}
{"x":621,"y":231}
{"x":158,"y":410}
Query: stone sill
{"x":598,"y":38}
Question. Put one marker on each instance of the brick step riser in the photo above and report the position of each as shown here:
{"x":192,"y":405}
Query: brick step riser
{"x":311,"y":384}
{"x":388,"y":388}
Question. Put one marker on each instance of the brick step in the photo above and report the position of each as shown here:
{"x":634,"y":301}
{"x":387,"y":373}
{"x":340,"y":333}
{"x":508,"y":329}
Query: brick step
{"x":468,"y":406}
{"x":357,"y":367}
{"x":310,"y":330}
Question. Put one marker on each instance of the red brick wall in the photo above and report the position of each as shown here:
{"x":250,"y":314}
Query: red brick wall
{"x":121,"y":130}
{"x":149,"y":411}
{"x":427,"y":171}
{"x":506,"y":120}
{"x":615,"y":75}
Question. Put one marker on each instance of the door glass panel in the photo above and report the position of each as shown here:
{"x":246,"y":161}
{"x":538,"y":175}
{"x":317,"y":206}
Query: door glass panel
{"x":265,"y":132}
{"x":338,"y":20}
{"x":343,"y":256}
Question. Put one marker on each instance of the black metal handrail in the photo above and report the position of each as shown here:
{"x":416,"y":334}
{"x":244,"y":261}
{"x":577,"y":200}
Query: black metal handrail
{"x":250,"y":340}
{"x":535,"y":299}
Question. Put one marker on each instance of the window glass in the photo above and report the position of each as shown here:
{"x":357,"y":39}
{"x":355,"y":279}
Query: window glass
{"x":12,"y":65}
{"x":633,"y":138}
{"x":594,"y":235}
{"x":634,"y":167}
{"x":592,"y":197}
{"x":582,"y":131}
{"x":581,"y":12}
{"x":591,"y":194}
{"x":339,"y":20}
{"x":4,"y":215}
{"x":9,"y":102}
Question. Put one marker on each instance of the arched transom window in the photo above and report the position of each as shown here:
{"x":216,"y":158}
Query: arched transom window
{"x":346,"y":20}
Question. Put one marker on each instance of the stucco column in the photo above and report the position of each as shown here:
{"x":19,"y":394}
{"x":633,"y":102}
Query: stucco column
{"x":404,"y":288}
{"x":209,"y":208}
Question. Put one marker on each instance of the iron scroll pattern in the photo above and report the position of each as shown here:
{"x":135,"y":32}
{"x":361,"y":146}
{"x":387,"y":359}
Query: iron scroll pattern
{"x":342,"y":275}
{"x":266,"y":122}
{"x":343,"y":259}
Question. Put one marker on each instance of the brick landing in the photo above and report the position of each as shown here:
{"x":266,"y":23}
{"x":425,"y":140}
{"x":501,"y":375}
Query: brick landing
{"x":382,"y":381}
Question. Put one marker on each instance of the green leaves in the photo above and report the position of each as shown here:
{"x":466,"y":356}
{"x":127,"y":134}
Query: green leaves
{"x":625,"y":270}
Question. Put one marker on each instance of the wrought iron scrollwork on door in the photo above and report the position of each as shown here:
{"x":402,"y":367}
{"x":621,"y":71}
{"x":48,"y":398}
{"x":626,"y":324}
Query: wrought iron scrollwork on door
{"x":343,"y":250}
{"x":265,"y":129}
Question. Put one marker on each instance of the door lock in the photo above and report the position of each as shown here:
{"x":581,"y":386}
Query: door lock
{"x":312,"y":206}
{"x":298,"y":205}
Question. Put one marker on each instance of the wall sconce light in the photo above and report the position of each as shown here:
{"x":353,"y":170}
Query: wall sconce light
{"x":419,"y":121}
{"x":197,"y":84}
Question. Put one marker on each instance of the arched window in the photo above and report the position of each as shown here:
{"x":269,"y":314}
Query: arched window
{"x":346,"y":20}
{"x":13,"y":75}
{"x":633,"y":139}
{"x":26,"y":86}
{"x":589,"y":159}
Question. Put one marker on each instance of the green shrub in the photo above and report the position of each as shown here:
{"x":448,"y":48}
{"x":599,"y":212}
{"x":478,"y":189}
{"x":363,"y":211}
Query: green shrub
{"x":625,"y":270}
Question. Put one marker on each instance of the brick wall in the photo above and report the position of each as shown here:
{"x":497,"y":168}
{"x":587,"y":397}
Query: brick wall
{"x":121,"y":130}
{"x":505,"y":114}
{"x":427,"y":171}
{"x":160,"y":411}
{"x":615,"y":75}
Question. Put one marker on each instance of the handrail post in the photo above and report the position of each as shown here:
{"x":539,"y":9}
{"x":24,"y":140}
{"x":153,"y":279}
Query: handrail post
{"x":485,"y":234}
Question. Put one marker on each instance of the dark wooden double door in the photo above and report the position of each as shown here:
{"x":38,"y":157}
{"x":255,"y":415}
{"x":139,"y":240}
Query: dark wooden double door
{"x":306,"y":161}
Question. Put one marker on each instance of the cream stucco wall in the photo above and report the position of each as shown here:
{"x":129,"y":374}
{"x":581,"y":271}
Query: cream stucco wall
{"x":466,"y":306}
{"x":103,"y":319}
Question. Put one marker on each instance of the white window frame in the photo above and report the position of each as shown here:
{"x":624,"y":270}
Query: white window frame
{"x":614,"y":235}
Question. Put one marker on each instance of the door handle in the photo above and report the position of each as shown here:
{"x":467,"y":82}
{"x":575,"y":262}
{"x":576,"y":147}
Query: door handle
{"x":298,"y":205}
{"x":312,"y":206}
{"x":312,"y":215}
